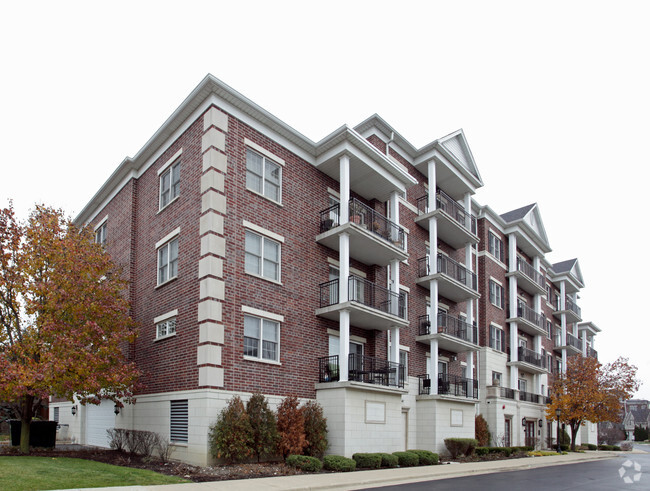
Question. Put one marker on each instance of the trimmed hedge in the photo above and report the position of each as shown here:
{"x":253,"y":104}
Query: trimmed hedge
{"x":426,"y":457}
{"x":338,"y":463}
{"x":368,"y":460}
{"x":458,"y":446}
{"x":305,"y":463}
{"x":389,"y":460}
{"x":482,"y":450}
{"x":609,"y":447}
{"x":407,"y":459}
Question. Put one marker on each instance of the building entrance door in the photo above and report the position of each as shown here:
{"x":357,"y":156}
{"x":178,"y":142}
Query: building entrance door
{"x":530,"y":433}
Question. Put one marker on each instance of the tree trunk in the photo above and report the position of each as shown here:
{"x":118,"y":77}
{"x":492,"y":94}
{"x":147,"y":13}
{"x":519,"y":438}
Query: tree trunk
{"x":26,"y":420}
{"x":574,"y":433}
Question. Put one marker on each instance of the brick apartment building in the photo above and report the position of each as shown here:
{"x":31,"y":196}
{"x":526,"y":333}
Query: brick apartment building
{"x":357,"y":271}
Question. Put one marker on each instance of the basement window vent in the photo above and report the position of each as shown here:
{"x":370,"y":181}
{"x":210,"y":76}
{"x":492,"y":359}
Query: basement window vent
{"x":178,"y":421}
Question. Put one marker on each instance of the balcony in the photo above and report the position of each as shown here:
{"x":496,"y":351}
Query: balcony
{"x":450,"y":385}
{"x":371,"y":306}
{"x":374,"y":239}
{"x":528,"y":278}
{"x":529,"y":361}
{"x":530,"y":397}
{"x":592,"y":353}
{"x":529,"y":321}
{"x":365,"y":369}
{"x":571,"y":310}
{"x":452,"y":219}
{"x":453,"y":334}
{"x":455,"y":281}
{"x":573,"y":344}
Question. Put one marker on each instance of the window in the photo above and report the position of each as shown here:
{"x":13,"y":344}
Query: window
{"x":522,"y":385}
{"x":170,"y":184}
{"x":495,"y":246}
{"x":261,"y":338}
{"x":262,"y":256}
{"x":168,"y":261}
{"x":496,"y":378}
{"x":496,"y":294}
{"x":100,"y":234}
{"x":404,"y":361}
{"x":497,"y":338}
{"x":549,"y":329}
{"x":55,"y":416}
{"x":442,"y":368}
{"x":523,"y":343}
{"x":549,"y":293}
{"x":178,"y":421}
{"x":166,"y":328}
{"x":263,"y":175}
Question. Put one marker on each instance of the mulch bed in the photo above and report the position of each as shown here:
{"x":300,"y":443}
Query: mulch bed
{"x":191,"y":472}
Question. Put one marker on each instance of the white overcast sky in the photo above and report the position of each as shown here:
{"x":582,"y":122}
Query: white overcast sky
{"x":553,"y":98}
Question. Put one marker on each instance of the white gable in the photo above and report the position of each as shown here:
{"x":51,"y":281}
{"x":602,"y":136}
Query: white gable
{"x":455,"y":146}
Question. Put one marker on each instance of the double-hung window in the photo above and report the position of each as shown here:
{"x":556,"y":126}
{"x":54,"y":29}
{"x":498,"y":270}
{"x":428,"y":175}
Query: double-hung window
{"x":495,"y":246}
{"x":263,"y":176}
{"x":262,"y":256}
{"x":100,"y":234}
{"x":168,"y":261}
{"x":496,"y":294}
{"x":170,"y":184}
{"x":497,"y":338}
{"x":261,"y":338}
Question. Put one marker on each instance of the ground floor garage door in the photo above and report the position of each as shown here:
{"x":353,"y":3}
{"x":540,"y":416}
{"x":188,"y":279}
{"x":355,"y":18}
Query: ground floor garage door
{"x":98,"y":420}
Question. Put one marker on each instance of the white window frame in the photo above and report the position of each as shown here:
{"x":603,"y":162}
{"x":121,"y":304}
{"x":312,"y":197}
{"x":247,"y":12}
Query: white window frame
{"x":267,"y":157}
{"x":495,"y":246}
{"x":497,"y":345}
{"x":260,"y":346}
{"x":260,"y":272}
{"x":100,"y":231}
{"x":166,"y":325}
{"x":167,"y":243}
{"x":169,"y":174}
{"x":496,"y":295}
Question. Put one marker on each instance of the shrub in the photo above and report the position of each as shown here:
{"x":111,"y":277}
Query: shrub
{"x":315,"y":429}
{"x":338,"y":463}
{"x":139,"y":442}
{"x":305,"y":463}
{"x":565,"y":439}
{"x":389,"y":460}
{"x":264,"y":431}
{"x":609,"y":433}
{"x":481,"y":431}
{"x":117,"y":439}
{"x":426,"y":457}
{"x":407,"y":459}
{"x":591,"y":446}
{"x":291,"y":427}
{"x":230,"y":436}
{"x":481,"y":450}
{"x":640,"y":434}
{"x":458,"y":446}
{"x":367,"y":460}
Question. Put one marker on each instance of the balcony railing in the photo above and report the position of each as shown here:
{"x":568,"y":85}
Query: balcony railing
{"x":448,"y":267}
{"x":569,"y":305}
{"x":450,"y":385}
{"x":366,"y":217}
{"x":529,"y":356}
{"x":525,"y":312}
{"x":571,"y":340}
{"x":450,"y":206}
{"x":592,"y":353}
{"x":529,"y":397}
{"x":531,"y":272}
{"x":506,"y":393}
{"x":447,"y":324}
{"x":367,"y":293}
{"x":361,"y":368}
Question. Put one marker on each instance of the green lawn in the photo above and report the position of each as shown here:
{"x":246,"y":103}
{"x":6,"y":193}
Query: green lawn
{"x":27,"y":473}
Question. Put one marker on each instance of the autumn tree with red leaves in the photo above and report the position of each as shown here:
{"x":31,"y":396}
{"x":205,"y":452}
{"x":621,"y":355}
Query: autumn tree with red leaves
{"x":64,"y":319}
{"x":589,"y":391}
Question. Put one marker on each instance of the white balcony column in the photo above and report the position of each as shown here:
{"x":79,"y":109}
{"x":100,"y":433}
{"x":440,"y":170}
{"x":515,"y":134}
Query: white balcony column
{"x":512,"y":295}
{"x":469,"y":263}
{"x":467,"y":204}
{"x":583,"y":338}
{"x":431,"y":171}
{"x":537,"y":379}
{"x":563,"y":323}
{"x":514,"y":355}
{"x":433,"y":305}
{"x":433,"y":346}
{"x":394,"y":309}
{"x":433,"y":245}
{"x":344,"y":188}
{"x":344,"y":344}
{"x":470,"y":365}
{"x":537,"y":299}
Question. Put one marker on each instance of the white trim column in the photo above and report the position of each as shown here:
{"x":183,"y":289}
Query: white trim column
{"x":431,"y":171}
{"x":512,"y":293}
{"x":563,"y":323}
{"x":433,"y":347}
{"x":344,"y":189}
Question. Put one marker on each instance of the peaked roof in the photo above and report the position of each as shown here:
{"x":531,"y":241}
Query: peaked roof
{"x":570,"y":268}
{"x":456,"y":145}
{"x":527,"y":220}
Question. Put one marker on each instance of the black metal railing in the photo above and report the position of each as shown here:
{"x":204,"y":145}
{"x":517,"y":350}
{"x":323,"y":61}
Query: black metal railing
{"x":525,"y":312}
{"x":530,"y":272}
{"x":364,"y":216}
{"x":529,"y":397}
{"x":592,"y":353}
{"x":367,"y":293}
{"x":447,"y":324}
{"x":373,"y":370}
{"x":328,"y":369}
{"x":449,"y":267}
{"x":529,"y":356}
{"x":506,"y":393}
{"x":449,"y":385}
{"x":450,"y":206}
{"x":571,"y":340}
{"x":569,"y":305}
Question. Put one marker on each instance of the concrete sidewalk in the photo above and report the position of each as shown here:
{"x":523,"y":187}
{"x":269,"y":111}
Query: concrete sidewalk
{"x":381,"y":477}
